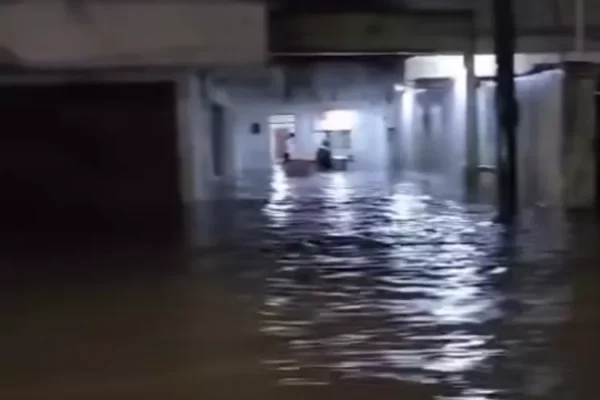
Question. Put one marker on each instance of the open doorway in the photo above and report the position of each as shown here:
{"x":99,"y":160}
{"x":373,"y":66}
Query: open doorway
{"x":281,"y":127}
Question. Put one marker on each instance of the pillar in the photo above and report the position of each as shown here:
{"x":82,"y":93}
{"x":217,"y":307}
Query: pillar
{"x":472,"y":135}
{"x":193,"y":138}
{"x":579,"y":157}
{"x":185,"y":138}
{"x":229,"y":171}
{"x":209,"y":216}
{"x":392,"y":118}
{"x":194,"y":158}
{"x":506,"y":108}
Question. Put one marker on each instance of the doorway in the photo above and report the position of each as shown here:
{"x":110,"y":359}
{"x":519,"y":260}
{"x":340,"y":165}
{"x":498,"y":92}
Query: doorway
{"x":281,"y":126}
{"x":82,"y":176}
{"x":218,"y":136}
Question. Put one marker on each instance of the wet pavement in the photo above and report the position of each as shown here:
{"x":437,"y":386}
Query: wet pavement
{"x":342,"y":285}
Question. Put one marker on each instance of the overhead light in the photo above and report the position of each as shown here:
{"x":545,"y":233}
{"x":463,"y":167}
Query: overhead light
{"x":399,"y":87}
{"x":337,"y":120}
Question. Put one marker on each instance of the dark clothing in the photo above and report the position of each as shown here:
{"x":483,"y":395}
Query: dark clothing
{"x":324,"y":161}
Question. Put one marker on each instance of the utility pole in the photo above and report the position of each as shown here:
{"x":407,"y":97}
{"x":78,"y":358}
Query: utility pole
{"x":506,"y":109}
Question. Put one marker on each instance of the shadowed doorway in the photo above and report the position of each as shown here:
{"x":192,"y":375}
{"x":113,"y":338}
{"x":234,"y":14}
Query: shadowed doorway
{"x":96,"y":160}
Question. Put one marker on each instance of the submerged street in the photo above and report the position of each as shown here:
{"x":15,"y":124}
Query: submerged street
{"x":340,"y":285}
{"x":152,"y":247}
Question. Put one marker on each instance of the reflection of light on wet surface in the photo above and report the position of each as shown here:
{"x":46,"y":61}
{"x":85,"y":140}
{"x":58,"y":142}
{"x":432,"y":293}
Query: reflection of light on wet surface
{"x":339,"y":216}
{"x":337,"y":278}
{"x":407,"y":206}
{"x":279,"y":185}
{"x":278,"y":208}
{"x":402,"y":286}
{"x":338,"y":191}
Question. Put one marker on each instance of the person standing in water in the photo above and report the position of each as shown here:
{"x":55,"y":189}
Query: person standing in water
{"x":290,"y":147}
{"x":324,"y":159}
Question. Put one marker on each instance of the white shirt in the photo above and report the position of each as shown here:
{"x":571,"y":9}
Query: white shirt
{"x":291,"y":147}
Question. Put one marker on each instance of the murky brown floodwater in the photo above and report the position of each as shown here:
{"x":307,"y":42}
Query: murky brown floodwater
{"x":336,"y":286}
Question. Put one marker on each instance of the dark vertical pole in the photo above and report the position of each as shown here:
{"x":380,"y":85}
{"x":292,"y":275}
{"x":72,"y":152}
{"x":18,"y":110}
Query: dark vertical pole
{"x":506,"y":108}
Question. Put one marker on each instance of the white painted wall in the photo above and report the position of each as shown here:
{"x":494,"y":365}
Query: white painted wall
{"x":314,"y":89}
{"x":540,"y":135}
{"x":443,"y":153}
{"x":369,"y":137}
{"x":406,"y":103}
{"x":448,"y":152}
{"x":106,"y":33}
{"x":487,"y":124}
{"x":540,"y":128}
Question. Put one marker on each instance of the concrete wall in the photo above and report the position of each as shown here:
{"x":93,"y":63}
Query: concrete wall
{"x":462,"y":25}
{"x":204,"y":209}
{"x":194,"y":148}
{"x":540,"y":137}
{"x":100,"y":33}
{"x":195,"y":97}
{"x":542,"y":25}
{"x":370,"y":32}
{"x":580,"y":145}
{"x":107,"y":33}
{"x":540,"y":15}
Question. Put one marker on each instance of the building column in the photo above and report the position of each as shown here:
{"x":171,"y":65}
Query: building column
{"x":228,"y":143}
{"x":195,"y":159}
{"x":579,"y":156}
{"x":185,"y":139}
{"x":507,"y":110}
{"x":194,"y":138}
{"x":472,"y":134}
{"x":392,"y":118}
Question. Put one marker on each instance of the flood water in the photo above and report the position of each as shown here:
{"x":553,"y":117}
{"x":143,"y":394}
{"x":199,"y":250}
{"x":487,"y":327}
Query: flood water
{"x":341,"y":285}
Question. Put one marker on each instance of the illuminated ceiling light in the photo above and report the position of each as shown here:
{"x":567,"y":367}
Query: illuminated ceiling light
{"x":337,"y":120}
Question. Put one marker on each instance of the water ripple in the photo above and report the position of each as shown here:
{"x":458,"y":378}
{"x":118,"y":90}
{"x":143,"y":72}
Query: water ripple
{"x":377,"y":279}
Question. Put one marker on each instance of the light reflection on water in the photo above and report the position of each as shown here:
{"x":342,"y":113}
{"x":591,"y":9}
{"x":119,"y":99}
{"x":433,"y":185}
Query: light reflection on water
{"x":397,"y":285}
{"x":337,"y":283}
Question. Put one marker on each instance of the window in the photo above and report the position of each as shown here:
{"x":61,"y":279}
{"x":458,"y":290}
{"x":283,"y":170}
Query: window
{"x":337,"y":127}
